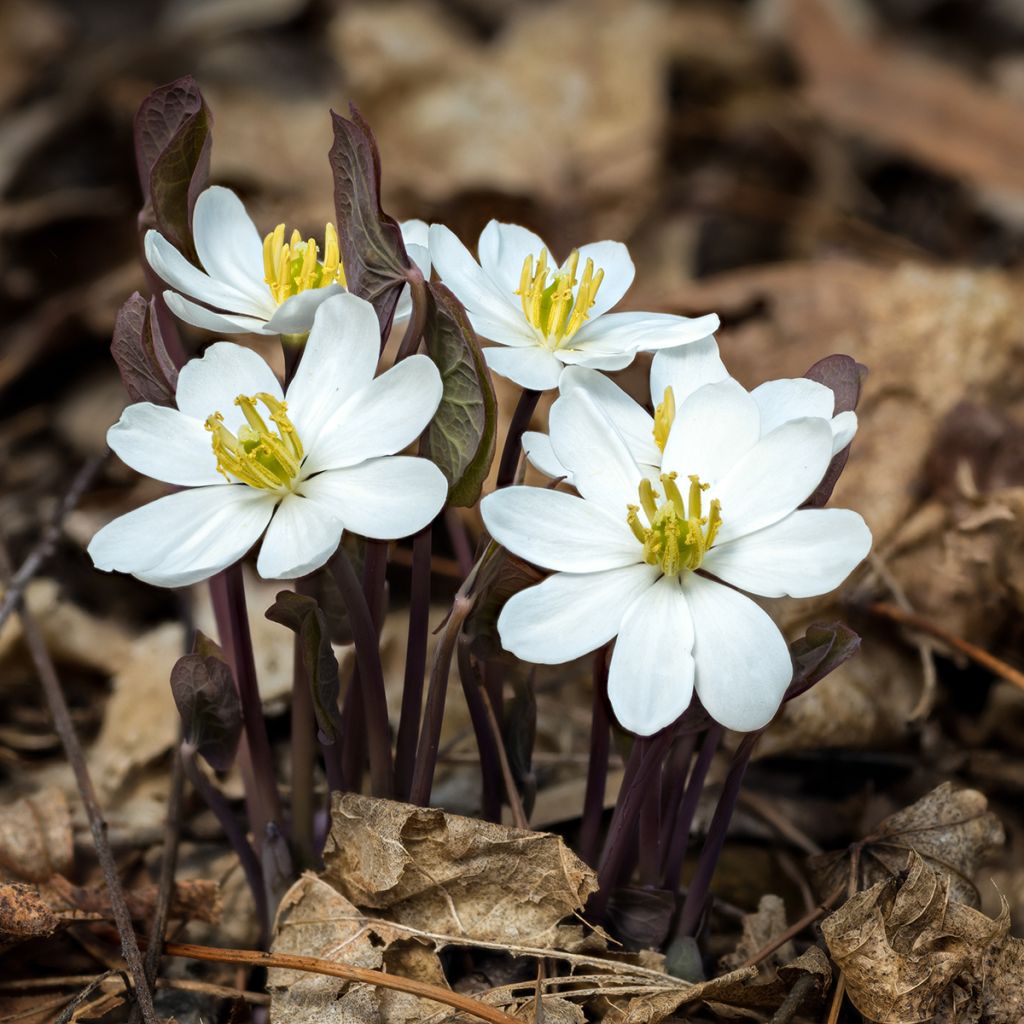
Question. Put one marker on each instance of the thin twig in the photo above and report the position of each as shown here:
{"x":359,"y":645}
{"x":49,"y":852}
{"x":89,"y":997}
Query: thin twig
{"x":315,"y":965}
{"x":73,"y":750}
{"x":977,"y":654}
{"x":47,"y":543}
{"x":794,"y":929}
{"x":519,"y":818}
{"x":787,"y":1010}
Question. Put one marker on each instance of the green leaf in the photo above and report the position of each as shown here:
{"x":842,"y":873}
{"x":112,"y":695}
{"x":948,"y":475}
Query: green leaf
{"x":207,"y":700}
{"x":818,"y":653}
{"x":147,"y":372}
{"x":460,"y":438}
{"x":172,"y":151}
{"x":304,"y":617}
{"x":372,"y":250}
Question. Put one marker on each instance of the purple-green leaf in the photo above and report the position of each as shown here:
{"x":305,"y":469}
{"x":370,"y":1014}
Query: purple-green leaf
{"x":500,"y":577}
{"x":460,"y":438}
{"x":844,"y":376}
{"x":372,"y":251}
{"x":304,"y":617}
{"x":207,"y":700}
{"x":172,"y":151}
{"x":823,"y":648}
{"x":147,"y":371}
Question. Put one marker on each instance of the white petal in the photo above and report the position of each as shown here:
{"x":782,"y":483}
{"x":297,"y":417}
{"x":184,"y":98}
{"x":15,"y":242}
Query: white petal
{"x":225,"y":371}
{"x":516,"y":333}
{"x":338,"y":359}
{"x":596,"y":361}
{"x":542,"y":456}
{"x":415,"y":232}
{"x":792,"y":399}
{"x":165,"y":444}
{"x":384,"y":498}
{"x":713,"y":429}
{"x":533,"y":368}
{"x":774,"y":477}
{"x":301,"y":537}
{"x":616,"y":332}
{"x":558,"y":531}
{"x":685,"y":369}
{"x":613,"y":259}
{"x":295,"y":315}
{"x":224,"y":323}
{"x":633,"y":422}
{"x":569,"y":615}
{"x":585,"y":441}
{"x":503,"y":248}
{"x":379,"y":419}
{"x":228,"y":245}
{"x":474,"y":289}
{"x":173,"y":268}
{"x":844,"y":426}
{"x":743,"y":663}
{"x":650,"y":679}
{"x":808,"y":553}
{"x":184,"y":537}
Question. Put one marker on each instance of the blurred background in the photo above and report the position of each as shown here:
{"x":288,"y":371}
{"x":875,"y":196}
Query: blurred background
{"x":827,"y":175}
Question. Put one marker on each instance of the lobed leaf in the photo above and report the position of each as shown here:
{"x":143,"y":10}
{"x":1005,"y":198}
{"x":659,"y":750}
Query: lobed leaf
{"x":147,"y":371}
{"x":301,"y":614}
{"x":172,"y":151}
{"x":372,"y":250}
{"x":844,"y":376}
{"x":460,"y":439}
{"x":207,"y":699}
{"x":818,"y":653}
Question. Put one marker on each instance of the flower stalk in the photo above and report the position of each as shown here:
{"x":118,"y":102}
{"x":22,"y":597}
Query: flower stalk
{"x":518,"y":425}
{"x":597,"y":764}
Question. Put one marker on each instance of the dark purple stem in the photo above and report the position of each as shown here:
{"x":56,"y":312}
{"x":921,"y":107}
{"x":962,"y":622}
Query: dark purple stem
{"x":697,"y":893}
{"x":490,"y":760}
{"x":597,"y":766}
{"x":462,"y":546}
{"x":649,"y":833}
{"x":367,"y":644}
{"x":688,"y":808}
{"x":415,"y":662}
{"x":263,"y":801}
{"x":513,"y":439}
{"x":303,"y":757}
{"x":418,"y":320}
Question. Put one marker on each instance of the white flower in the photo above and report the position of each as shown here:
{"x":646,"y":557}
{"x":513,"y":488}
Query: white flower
{"x":675,"y":375}
{"x":625,"y":553}
{"x":273,"y":286}
{"x":544,"y":317}
{"x":304,"y":466}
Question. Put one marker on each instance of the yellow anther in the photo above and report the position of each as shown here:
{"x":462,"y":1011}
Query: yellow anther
{"x":259,"y":455}
{"x":677,"y":536}
{"x":557,"y":310}
{"x":294,"y":266}
{"x":664,"y":417}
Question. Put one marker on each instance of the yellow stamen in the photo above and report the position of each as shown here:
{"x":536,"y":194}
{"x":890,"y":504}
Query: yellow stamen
{"x":259,"y":455}
{"x":677,"y":535}
{"x":555,"y":309}
{"x":294,"y":266}
{"x":664,"y":417}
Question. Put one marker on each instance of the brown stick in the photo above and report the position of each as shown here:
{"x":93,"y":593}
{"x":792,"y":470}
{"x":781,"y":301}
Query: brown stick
{"x":977,"y":654}
{"x":315,"y":965}
{"x":73,"y":750}
{"x":794,"y":929}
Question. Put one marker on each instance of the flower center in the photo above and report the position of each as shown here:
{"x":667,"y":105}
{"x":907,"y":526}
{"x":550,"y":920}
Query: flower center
{"x":551,"y":307}
{"x":293,"y":266}
{"x":664,"y":417}
{"x":677,"y":536}
{"x":260,"y":456}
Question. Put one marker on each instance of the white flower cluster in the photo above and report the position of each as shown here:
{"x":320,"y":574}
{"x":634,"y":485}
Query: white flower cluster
{"x":673,"y":513}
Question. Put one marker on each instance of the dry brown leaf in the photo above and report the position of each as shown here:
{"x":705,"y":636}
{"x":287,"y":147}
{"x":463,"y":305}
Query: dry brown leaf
{"x":36,"y":840}
{"x":759,"y":929}
{"x":24,"y":914}
{"x":910,"y":953}
{"x":439,"y":872}
{"x":951,"y":829}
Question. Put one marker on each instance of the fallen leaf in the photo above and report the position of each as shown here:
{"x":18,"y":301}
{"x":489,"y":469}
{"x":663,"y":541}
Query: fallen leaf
{"x":951,"y":830}
{"x":36,"y":840}
{"x":909,"y":952}
{"x":24,"y":914}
